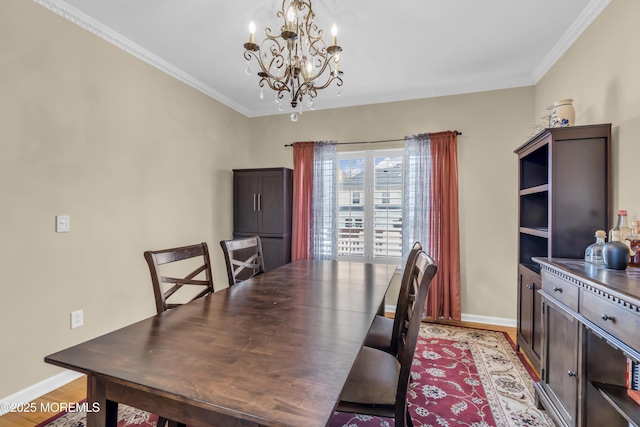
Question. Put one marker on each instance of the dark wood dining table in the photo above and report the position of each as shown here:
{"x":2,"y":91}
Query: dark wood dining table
{"x":274,"y":350}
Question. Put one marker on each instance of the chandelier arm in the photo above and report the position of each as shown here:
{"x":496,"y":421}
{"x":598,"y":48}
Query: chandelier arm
{"x":315,"y":88}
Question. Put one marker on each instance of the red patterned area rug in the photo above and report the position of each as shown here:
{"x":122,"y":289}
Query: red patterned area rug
{"x":460,"y":377}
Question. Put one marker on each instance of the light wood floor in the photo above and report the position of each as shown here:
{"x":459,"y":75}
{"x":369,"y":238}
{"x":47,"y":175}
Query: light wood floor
{"x":77,"y":390}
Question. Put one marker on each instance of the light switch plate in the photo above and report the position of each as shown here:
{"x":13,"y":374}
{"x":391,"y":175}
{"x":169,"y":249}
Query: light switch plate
{"x":63,"y":224}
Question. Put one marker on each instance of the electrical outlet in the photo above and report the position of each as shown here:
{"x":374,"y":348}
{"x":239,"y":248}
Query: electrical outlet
{"x":77,"y":319}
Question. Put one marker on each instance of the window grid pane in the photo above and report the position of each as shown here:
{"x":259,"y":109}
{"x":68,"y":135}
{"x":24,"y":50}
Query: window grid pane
{"x":370,"y":203}
{"x":351,"y":200}
{"x":387,"y":224}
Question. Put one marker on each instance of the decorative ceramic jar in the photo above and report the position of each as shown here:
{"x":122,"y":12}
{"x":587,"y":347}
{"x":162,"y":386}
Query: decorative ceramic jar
{"x":563,"y":114}
{"x":615,"y":253}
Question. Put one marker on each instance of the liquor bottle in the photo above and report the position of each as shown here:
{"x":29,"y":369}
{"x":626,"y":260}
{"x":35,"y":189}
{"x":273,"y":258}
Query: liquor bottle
{"x":615,"y":253}
{"x":621,"y":226}
{"x":633,"y":241}
{"x":593,"y":253}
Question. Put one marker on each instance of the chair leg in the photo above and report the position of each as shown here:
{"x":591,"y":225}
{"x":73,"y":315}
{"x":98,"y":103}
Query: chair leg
{"x":409,"y":420}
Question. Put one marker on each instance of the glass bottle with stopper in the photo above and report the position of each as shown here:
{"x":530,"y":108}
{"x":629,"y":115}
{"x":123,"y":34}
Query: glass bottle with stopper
{"x":621,"y":226}
{"x":593,"y":253}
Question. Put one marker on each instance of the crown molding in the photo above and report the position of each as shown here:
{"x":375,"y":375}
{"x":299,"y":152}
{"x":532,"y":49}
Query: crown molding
{"x":89,"y":24}
{"x":588,"y":15}
{"x":65,"y":10}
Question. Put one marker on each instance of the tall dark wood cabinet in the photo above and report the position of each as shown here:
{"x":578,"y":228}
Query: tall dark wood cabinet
{"x":564,"y":197}
{"x":262,"y":200}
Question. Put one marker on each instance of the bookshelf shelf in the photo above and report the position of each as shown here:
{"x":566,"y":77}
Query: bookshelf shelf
{"x":617,"y":396}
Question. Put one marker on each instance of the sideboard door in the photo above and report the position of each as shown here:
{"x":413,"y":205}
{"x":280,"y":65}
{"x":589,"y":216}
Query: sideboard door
{"x":560,"y":362}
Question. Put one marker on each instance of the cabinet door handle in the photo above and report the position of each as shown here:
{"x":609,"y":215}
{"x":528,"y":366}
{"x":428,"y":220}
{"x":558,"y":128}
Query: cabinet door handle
{"x":571,"y":374}
{"x":606,"y":317}
{"x":259,"y":201}
{"x":557,"y":289}
{"x":530,"y":287}
{"x":254,"y":202}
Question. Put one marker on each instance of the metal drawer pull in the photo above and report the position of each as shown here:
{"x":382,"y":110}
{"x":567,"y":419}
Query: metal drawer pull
{"x":571,"y":374}
{"x":530,"y":287}
{"x":556,"y":289}
{"x":606,"y":317}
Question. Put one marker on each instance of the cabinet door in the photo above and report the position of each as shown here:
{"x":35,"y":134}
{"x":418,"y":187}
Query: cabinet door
{"x":561,"y":361}
{"x":530,"y":315}
{"x":245,"y":202}
{"x":525,"y":307}
{"x":277,"y":251}
{"x":271,"y":204}
{"x":536,"y":343}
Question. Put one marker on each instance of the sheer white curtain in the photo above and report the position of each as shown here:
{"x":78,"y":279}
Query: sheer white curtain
{"x":415,"y":209}
{"x":324,"y":233}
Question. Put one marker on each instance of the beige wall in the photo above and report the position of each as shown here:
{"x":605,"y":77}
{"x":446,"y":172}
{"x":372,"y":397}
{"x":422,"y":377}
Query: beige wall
{"x":136,"y":158}
{"x":601,"y":72}
{"x":140,"y":160}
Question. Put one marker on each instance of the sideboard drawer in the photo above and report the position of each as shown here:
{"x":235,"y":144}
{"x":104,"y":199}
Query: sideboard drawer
{"x":563,"y":291}
{"x":614,"y":319}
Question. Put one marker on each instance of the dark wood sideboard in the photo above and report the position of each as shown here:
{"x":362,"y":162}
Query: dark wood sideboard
{"x":590,"y":328}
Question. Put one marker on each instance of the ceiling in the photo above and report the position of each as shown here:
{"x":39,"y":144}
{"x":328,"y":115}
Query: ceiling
{"x":392,"y":50}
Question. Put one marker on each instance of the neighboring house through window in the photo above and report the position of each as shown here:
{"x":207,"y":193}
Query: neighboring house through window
{"x":370,"y":206}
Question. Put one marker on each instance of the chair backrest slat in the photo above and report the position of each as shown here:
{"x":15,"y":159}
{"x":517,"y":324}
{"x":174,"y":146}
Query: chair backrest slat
{"x":198,"y":253}
{"x":243,"y":258}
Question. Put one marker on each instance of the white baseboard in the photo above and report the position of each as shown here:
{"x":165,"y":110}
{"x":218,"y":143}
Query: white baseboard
{"x":39,"y":389}
{"x":498,"y":321}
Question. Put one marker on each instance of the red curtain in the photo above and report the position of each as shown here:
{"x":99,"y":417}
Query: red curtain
{"x":302,"y":191}
{"x":444,"y":245}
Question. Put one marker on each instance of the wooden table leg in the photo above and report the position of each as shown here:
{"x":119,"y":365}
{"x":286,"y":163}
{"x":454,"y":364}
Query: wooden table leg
{"x":106,"y":414}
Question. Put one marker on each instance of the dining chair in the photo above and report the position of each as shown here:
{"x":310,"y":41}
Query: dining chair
{"x":384,"y":330}
{"x":243,"y":257}
{"x":190,"y":263}
{"x":379,"y":381}
{"x":179,"y":275}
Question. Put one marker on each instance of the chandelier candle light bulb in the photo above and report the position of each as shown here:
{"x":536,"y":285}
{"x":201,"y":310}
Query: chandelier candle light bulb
{"x":309,"y":69}
{"x":252,"y":32}
{"x":291,"y":19}
{"x":334,"y":34}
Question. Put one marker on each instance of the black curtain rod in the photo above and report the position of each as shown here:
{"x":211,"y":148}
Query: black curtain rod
{"x":369,"y":142}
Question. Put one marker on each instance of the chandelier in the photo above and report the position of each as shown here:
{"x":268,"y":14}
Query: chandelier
{"x":295,"y":62}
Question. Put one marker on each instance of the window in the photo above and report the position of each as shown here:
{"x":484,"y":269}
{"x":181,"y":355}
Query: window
{"x":370,"y":206}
